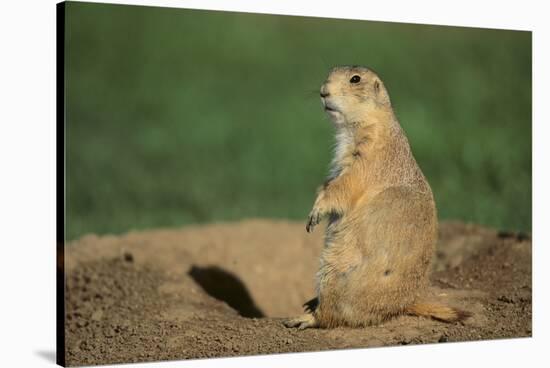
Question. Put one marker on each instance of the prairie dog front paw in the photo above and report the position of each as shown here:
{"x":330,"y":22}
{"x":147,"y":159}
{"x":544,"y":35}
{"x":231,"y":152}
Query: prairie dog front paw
{"x":315,"y":216}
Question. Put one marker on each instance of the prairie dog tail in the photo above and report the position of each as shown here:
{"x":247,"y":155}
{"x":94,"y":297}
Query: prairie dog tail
{"x":437,"y":311}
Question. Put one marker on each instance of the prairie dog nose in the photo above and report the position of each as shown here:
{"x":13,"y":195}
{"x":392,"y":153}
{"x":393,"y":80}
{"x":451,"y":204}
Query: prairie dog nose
{"x":324,"y":92}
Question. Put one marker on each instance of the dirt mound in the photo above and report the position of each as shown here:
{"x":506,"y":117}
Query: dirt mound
{"x":222,"y":289}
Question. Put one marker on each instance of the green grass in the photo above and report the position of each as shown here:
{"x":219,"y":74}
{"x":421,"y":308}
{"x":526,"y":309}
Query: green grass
{"x":181,"y":116}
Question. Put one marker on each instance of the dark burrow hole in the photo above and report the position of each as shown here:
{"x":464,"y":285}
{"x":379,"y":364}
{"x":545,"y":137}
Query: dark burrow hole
{"x":227,"y":287}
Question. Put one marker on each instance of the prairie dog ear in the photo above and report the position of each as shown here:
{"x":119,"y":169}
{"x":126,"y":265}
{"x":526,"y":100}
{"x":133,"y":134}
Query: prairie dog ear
{"x":380,"y":91}
{"x":377,"y":86}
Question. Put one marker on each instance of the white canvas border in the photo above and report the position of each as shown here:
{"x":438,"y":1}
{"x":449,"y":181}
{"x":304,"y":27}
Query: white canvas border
{"x":27,"y":189}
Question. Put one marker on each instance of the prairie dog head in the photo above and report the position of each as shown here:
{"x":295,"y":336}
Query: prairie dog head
{"x":353,"y":94}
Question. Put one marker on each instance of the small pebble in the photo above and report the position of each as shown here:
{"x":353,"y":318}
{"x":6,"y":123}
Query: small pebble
{"x":97,"y":315}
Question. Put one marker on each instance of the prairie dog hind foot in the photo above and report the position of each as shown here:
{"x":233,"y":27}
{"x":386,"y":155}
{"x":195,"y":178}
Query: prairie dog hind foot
{"x":302,"y":322}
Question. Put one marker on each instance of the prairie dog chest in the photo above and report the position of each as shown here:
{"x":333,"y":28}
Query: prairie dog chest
{"x":343,"y":152}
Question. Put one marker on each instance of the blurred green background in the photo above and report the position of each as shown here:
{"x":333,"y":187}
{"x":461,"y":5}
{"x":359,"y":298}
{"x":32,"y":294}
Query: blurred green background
{"x":181,"y":116}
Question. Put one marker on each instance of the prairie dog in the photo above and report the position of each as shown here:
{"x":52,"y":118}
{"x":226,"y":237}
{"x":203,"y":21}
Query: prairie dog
{"x":382,"y":227}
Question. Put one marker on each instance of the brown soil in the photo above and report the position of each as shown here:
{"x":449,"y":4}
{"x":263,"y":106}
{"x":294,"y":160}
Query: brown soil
{"x":223,"y":289}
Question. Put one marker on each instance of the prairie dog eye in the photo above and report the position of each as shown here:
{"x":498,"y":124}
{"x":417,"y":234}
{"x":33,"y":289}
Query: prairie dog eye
{"x":355,"y":79}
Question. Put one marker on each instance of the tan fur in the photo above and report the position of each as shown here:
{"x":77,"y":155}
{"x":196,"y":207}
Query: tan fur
{"x":437,"y":311}
{"x":382,"y":227}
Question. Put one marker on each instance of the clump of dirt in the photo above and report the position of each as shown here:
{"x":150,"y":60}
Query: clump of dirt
{"x":223,"y":289}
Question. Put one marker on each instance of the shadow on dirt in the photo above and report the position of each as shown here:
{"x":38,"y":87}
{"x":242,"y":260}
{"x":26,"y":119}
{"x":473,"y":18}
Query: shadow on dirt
{"x":227,"y":287}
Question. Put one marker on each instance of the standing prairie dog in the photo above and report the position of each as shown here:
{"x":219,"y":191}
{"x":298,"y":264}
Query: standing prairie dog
{"x":382,"y":227}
